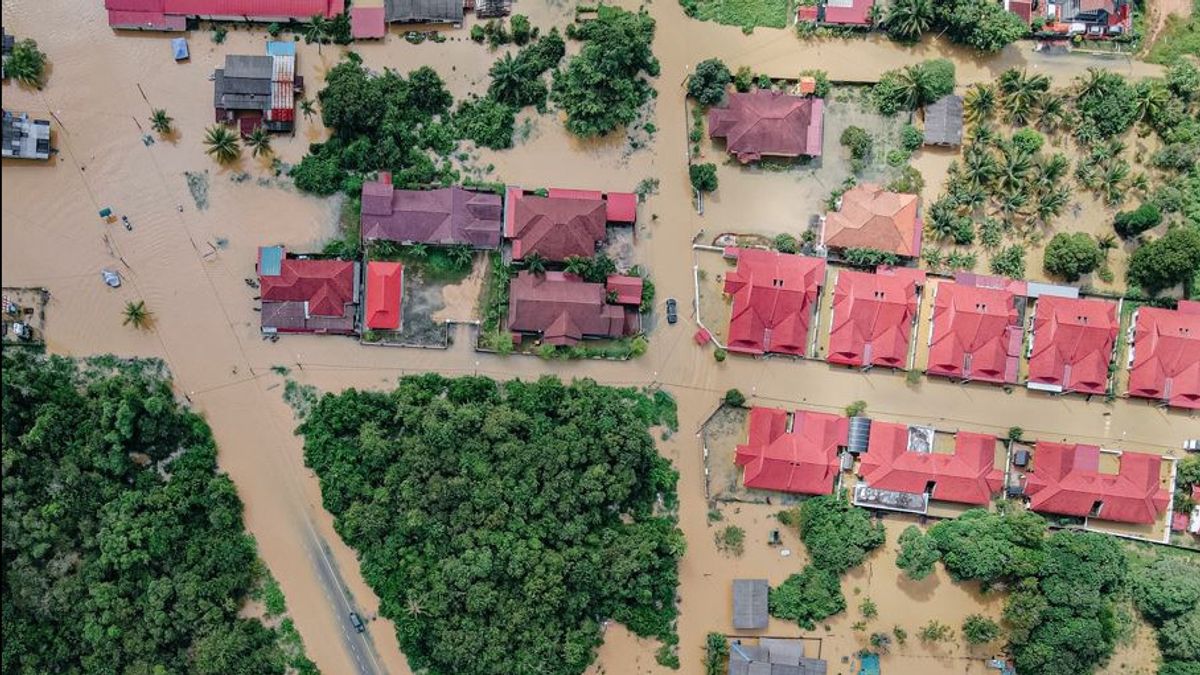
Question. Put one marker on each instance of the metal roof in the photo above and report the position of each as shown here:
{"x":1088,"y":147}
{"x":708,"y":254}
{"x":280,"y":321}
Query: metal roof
{"x":750,"y":603}
{"x":430,"y":11}
{"x":944,"y":121}
{"x":249,"y":66}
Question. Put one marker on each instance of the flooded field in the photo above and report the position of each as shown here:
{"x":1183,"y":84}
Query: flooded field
{"x":188,"y":262}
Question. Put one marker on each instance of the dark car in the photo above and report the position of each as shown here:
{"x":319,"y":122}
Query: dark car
{"x":357,"y":622}
{"x":672,"y":314}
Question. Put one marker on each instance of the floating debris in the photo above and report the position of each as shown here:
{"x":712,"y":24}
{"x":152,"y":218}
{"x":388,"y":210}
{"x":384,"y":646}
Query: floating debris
{"x":198,"y":186}
{"x":147,"y":140}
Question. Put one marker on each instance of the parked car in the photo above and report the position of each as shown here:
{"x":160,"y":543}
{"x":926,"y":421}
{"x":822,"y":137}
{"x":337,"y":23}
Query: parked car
{"x":357,"y":622}
{"x":672,"y":313}
{"x":1192,"y":445}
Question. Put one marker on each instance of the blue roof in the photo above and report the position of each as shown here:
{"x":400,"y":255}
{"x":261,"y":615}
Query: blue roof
{"x":278,"y":48}
{"x":270,"y":260}
{"x":180,"y":47}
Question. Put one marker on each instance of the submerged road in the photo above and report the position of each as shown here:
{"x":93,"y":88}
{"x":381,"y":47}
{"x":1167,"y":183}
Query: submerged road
{"x":358,"y":645}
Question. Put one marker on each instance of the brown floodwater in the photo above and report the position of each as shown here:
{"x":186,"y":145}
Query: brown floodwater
{"x":189,"y":265}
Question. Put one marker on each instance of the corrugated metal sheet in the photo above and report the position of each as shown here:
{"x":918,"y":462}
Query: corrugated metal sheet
{"x":283,"y":69}
{"x":241,"y":65}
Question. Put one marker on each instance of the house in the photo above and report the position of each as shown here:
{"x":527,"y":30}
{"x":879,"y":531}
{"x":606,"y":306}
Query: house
{"x":173,"y":15}
{"x":254,"y":91}
{"x":625,"y":289}
{"x":564,"y":223}
{"x":792,"y":451}
{"x":773,"y":656}
{"x":873,"y":317}
{"x":385,"y":290}
{"x":369,"y":18}
{"x":750,"y":604}
{"x":870,"y":217}
{"x":307,"y":295}
{"x":944,"y":121}
{"x":1071,"y":345}
{"x":1093,"y":19}
{"x":24,"y":137}
{"x":775,"y":301}
{"x":1165,"y":355}
{"x":442,"y":217}
{"x":854,"y":13}
{"x":1066,"y":479}
{"x":894,"y":462}
{"x":563,"y":309}
{"x":764,"y":123}
{"x":975,"y":333}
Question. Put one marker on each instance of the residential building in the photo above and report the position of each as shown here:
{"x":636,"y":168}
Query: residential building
{"x":1066,"y":479}
{"x":384,"y":296}
{"x":775,"y":301}
{"x":307,"y":295}
{"x":1164,"y":358}
{"x":1072,"y":345}
{"x":173,"y":15}
{"x":25,"y":137}
{"x":442,"y":217}
{"x":625,"y":289}
{"x":562,"y":309}
{"x":564,"y":223}
{"x":764,"y":123}
{"x":750,"y":604}
{"x":254,"y":91}
{"x":975,"y":334}
{"x":792,"y":451}
{"x":1092,"y":18}
{"x":900,"y":458}
{"x":944,"y":121}
{"x":370,"y":18}
{"x":773,"y":656}
{"x":873,"y":317}
{"x":868,"y":216}
{"x":853,"y":13}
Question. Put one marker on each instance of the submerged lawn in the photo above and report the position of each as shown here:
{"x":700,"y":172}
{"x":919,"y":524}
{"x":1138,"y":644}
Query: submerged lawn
{"x":745,"y":13}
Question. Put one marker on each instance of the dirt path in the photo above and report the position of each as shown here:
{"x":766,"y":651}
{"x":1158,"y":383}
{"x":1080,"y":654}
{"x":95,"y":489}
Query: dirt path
{"x":1159,"y":12}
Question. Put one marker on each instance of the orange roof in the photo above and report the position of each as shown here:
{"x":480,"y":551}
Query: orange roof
{"x":385,"y":283}
{"x":871,"y":217}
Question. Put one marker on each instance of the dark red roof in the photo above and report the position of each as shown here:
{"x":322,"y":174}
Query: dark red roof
{"x":621,"y":207}
{"x":445,"y":216}
{"x":765,"y":123}
{"x":774,"y":296}
{"x":1072,"y":343}
{"x":310,"y":296}
{"x":385,"y":286}
{"x":564,"y":309}
{"x":976,"y":334}
{"x":1166,"y":348}
{"x":803,"y":460}
{"x":1066,"y":479}
{"x":627,"y":288}
{"x":555,"y":228}
{"x":367,"y":22}
{"x":968,"y":476}
{"x":848,"y":12}
{"x":172,"y":14}
{"x":872,"y":319}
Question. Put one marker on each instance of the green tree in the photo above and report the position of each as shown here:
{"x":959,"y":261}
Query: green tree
{"x":907,"y":20}
{"x":536,"y":263}
{"x":1130,"y":224}
{"x":222,"y":144}
{"x":26,"y":64}
{"x":703,"y":177}
{"x":136,"y":315}
{"x":978,"y":629}
{"x":1179,"y":638}
{"x":1072,"y":255}
{"x":160,"y":121}
{"x":487,"y":122}
{"x":807,"y":597}
{"x":918,"y":554}
{"x":1169,"y":260}
{"x":508,"y":80}
{"x":981,"y":24}
{"x":913,"y":86}
{"x":316,"y":30}
{"x":934,"y":631}
{"x":1167,"y":588}
{"x":307,"y":108}
{"x":734,"y":398}
{"x":979,"y":104}
{"x":716,"y":651}
{"x":708,"y":83}
{"x":259,"y":141}
{"x":838,"y":536}
{"x":522,"y":31}
{"x":785,"y":243}
{"x":857,"y":141}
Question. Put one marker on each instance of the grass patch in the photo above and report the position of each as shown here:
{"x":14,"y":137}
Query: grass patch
{"x":744,"y":13}
{"x":1179,"y":36}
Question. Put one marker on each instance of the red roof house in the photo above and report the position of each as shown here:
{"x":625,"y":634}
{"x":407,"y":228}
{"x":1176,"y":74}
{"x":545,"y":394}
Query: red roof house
{"x":848,"y":12}
{"x":1072,"y":344}
{"x":872,"y":319}
{"x":775,"y":296}
{"x":870,"y":217}
{"x":302,"y":295}
{"x":563,"y":309}
{"x":792,"y":452}
{"x":385,"y":286}
{"x":619,"y":207}
{"x":969,"y":476}
{"x":172,"y":15}
{"x":764,"y":123}
{"x":1166,"y":355}
{"x":628,"y":289}
{"x":441,"y":217}
{"x":556,"y":228}
{"x":976,"y":334}
{"x":1066,"y":480}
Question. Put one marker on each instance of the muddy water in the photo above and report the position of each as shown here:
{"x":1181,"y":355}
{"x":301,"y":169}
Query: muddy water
{"x":206,"y":329}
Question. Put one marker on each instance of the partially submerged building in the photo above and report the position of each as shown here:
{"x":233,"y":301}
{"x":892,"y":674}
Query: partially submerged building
{"x":1066,"y":479}
{"x":944,"y":121}
{"x":873,"y":316}
{"x":442,"y":217}
{"x":384,"y":296}
{"x":254,"y":91}
{"x":853,"y":13}
{"x":763,"y":123}
{"x":750,"y":604}
{"x":900,"y":458}
{"x":624,"y":289}
{"x":1093,"y":19}
{"x":976,"y":333}
{"x":775,"y":301}
{"x":867,"y":216}
{"x":564,"y":223}
{"x":307,"y":295}
{"x":173,"y":15}
{"x":562,"y":309}
{"x":773,"y":656}
{"x":792,"y":451}
{"x":1071,"y":345}
{"x":370,"y":18}
{"x":1164,"y":355}
{"x":25,"y":137}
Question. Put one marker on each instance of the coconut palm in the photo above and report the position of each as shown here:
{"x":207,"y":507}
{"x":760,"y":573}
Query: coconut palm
{"x":1092,"y":83}
{"x":307,"y":108}
{"x":1114,"y":180}
{"x":980,"y":103}
{"x":979,"y":166}
{"x":908,"y":19}
{"x":507,"y":80}
{"x":934,"y":258}
{"x":136,"y":314}
{"x":1107,"y":243}
{"x":316,"y":30}
{"x":1050,"y":205}
{"x":1013,"y":169}
{"x":415,"y":608}
{"x":1140,"y":182}
{"x":461,"y":255}
{"x":1020,"y":94}
{"x":259,"y":141}
{"x":418,"y":251}
{"x":535,"y":263}
{"x":984,"y":135}
{"x":222,"y":144}
{"x":1011,"y":204}
{"x":160,"y":121}
{"x":26,"y":64}
{"x":1054,"y":168}
{"x":577,"y":265}
{"x":1052,"y":113}
{"x":915,"y":86}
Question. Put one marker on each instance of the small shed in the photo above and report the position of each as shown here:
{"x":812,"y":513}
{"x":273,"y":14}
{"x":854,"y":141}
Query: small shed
{"x":750,"y":603}
{"x":179,"y":47}
{"x":944,"y":121}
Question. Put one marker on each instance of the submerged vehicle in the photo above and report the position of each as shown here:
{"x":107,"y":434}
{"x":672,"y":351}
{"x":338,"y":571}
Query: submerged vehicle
{"x":111,"y":278}
{"x":672,"y":313}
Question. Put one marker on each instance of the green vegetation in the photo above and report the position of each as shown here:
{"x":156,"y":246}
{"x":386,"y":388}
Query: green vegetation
{"x":734,"y":398}
{"x":137,"y":315}
{"x":161,"y":122}
{"x":934,"y":631}
{"x":595,"y":269}
{"x":785,"y":243}
{"x":731,"y":539}
{"x":259,"y":141}
{"x":517,"y":81}
{"x":716,"y":651}
{"x":745,"y":13}
{"x":708,"y":83}
{"x":486,"y":122}
{"x":978,"y":629}
{"x":907,"y":20}
{"x":26,"y":64}
{"x":1072,"y":255}
{"x":913,"y":86}
{"x":124,"y":549}
{"x":603,"y":87}
{"x":869,"y":257}
{"x":918,"y":553}
{"x":1179,"y":38}
{"x":703,"y":177}
{"x":1169,"y":260}
{"x":855,"y":408}
{"x":501,"y":522}
{"x":441,"y":264}
{"x":222,"y":144}
{"x":1130,"y":224}
{"x":868,"y":609}
{"x":1107,"y":105}
{"x":823,"y":84}
{"x":808,"y":597}
{"x":857,"y":141}
{"x":981,"y":24}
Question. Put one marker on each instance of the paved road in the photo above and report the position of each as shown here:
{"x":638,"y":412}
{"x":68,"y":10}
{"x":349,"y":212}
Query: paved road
{"x":357,"y":644}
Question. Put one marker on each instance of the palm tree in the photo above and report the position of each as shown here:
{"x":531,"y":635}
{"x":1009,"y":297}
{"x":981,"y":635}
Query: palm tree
{"x":1114,"y":181}
{"x":26,"y":64}
{"x":1020,"y":94}
{"x":1053,"y":112}
{"x":535,"y":263}
{"x":934,"y":258}
{"x":1054,"y":168}
{"x":260,"y":141}
{"x":984,"y":135}
{"x":908,"y":19}
{"x":1012,"y":171}
{"x":222,"y":144}
{"x":461,"y":255}
{"x":1152,"y":100}
{"x":979,"y":166}
{"x":415,"y":608}
{"x":418,"y":251}
{"x":980,"y":103}
{"x":316,"y":30}
{"x":1092,"y":83}
{"x":1050,"y":205}
{"x":915,"y":86}
{"x":307,"y":108}
{"x":577,"y":265}
{"x":507,"y":80}
{"x":136,"y":314}
{"x":160,"y":121}
{"x":1107,"y":243}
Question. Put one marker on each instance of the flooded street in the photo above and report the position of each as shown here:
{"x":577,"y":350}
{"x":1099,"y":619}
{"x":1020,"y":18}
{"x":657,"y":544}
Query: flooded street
{"x":189,"y":265}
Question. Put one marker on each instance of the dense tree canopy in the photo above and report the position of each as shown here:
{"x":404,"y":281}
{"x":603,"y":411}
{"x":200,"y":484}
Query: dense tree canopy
{"x":501,"y":522}
{"x":123,"y":547}
{"x":517,"y":80}
{"x":918,"y":554}
{"x":982,"y":24}
{"x":1071,"y":255}
{"x":913,"y":86}
{"x":707,"y":85}
{"x":1166,"y":261}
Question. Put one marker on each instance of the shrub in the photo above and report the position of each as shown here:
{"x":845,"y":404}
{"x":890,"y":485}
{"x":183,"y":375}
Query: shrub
{"x":934,"y":631}
{"x":716,"y":650}
{"x":911,"y":138}
{"x":918,"y":554}
{"x":708,"y":83}
{"x":1028,"y":140}
{"x":978,"y":629}
{"x":1072,"y":255}
{"x":855,"y":408}
{"x":909,"y":181}
{"x":857,"y":141}
{"x":1130,"y":224}
{"x":735,"y":398}
{"x":703,"y":177}
{"x":807,"y":597}
{"x":486,"y":121}
{"x":478,"y":34}
{"x":731,"y":539}
{"x":823,"y":85}
{"x":720,"y":354}
{"x":868,"y":609}
{"x":1009,"y":262}
{"x":869,"y":257}
{"x":743,"y":79}
{"x":26,"y":64}
{"x":785,"y":243}
{"x":521,"y":30}
{"x":1167,"y":261}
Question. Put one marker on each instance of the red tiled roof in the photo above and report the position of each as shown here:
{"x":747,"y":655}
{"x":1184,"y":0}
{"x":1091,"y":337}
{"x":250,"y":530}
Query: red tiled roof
{"x":774,"y":295}
{"x":385,"y":284}
{"x":804,"y":460}
{"x":1073,"y":343}
{"x":572,"y":193}
{"x":555,"y":228}
{"x":848,"y":12}
{"x":564,"y":309}
{"x":309,"y":296}
{"x":1066,"y":480}
{"x":976,"y":334}
{"x":627,"y":288}
{"x":765,"y":123}
{"x":872,"y":319}
{"x":968,"y":476}
{"x":871,"y":217}
{"x":441,"y":217}
{"x":367,"y":22}
{"x":622,"y":207}
{"x":807,"y":13}
{"x":1166,"y":364}
{"x":172,"y":14}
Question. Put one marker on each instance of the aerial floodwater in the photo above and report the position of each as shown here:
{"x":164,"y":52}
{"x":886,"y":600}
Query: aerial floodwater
{"x":195,"y":227}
